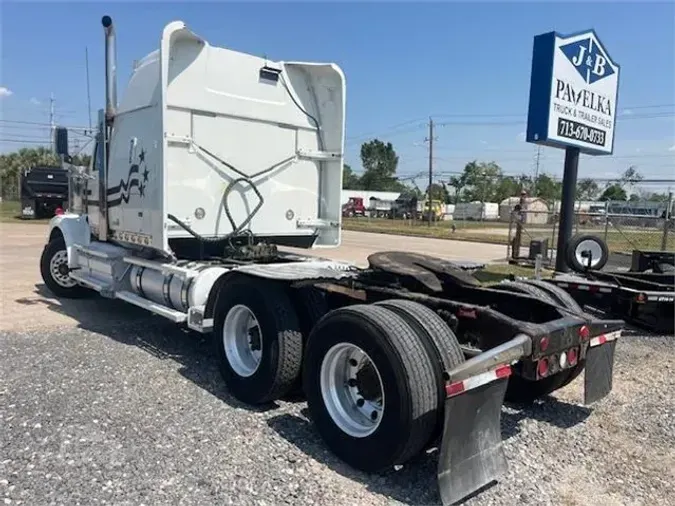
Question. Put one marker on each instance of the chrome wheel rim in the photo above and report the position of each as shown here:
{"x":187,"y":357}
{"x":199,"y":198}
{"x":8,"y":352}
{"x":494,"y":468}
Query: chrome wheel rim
{"x":352,"y":391}
{"x":242,"y":340}
{"x":593,"y":247}
{"x":58,"y":269}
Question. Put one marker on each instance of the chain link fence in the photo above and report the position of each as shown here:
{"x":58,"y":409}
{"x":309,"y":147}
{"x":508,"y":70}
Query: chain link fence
{"x":623,"y":225}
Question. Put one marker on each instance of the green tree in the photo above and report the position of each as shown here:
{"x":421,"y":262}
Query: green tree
{"x":508,"y":186}
{"x":11,"y":165}
{"x":587,"y":189}
{"x":630,"y":176}
{"x":481,"y":181}
{"x":547,"y":188}
{"x":379,"y":162}
{"x":350,"y":181}
{"x":658,"y":197}
{"x":438,"y":192}
{"x":614,"y":192}
{"x":457,"y":183}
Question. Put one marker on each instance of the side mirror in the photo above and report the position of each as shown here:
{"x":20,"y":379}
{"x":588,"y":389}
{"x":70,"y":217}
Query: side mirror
{"x":61,"y":141}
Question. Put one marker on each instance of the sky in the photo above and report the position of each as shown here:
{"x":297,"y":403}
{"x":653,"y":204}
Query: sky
{"x":466,"y":65}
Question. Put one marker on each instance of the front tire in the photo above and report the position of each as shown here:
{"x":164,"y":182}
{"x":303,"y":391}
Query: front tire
{"x":257,"y":338}
{"x":370,"y":387}
{"x":56,"y":274}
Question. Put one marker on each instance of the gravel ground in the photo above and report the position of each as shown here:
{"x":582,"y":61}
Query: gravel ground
{"x":135,"y":413}
{"x":102,"y":404}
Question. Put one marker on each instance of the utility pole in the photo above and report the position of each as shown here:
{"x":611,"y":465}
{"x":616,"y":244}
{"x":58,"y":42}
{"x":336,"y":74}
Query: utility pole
{"x":86,"y":62}
{"x":52,"y":124}
{"x":536,"y":170}
{"x":431,"y":169}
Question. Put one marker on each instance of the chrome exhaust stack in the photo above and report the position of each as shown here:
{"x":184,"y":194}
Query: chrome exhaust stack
{"x":110,"y":68}
{"x":106,"y":123}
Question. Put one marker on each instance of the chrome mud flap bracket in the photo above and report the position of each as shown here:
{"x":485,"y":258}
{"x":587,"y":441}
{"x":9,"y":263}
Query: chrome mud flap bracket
{"x":600,"y":367}
{"x":471,"y":455}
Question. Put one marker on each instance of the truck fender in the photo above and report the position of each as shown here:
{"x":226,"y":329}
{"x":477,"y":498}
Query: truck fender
{"x":74,"y":229}
{"x":215,"y":292}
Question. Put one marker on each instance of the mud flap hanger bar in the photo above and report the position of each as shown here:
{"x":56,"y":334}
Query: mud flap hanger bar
{"x":471,"y":454}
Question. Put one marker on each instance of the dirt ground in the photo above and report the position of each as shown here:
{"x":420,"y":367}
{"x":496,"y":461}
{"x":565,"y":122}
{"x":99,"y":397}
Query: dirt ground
{"x":25,"y":303}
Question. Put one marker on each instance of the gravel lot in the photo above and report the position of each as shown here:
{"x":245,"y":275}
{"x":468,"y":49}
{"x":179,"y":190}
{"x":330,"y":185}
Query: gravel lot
{"x":102,"y":404}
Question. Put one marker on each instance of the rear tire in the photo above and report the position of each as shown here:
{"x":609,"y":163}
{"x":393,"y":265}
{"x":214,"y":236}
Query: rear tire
{"x":438,"y":340}
{"x":522,"y":287}
{"x":368,"y":354}
{"x":524,"y":391}
{"x":558,"y":294}
{"x":257,"y":339}
{"x":310,"y":305}
{"x":56,"y":274}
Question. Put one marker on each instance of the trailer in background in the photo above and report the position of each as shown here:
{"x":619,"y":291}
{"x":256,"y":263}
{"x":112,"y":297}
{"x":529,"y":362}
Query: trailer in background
{"x":644,"y":295}
{"x":44,"y":189}
{"x":476,"y":211}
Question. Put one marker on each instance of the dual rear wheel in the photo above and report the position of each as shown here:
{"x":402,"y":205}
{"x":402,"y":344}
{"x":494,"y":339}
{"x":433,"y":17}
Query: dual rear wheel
{"x":373,"y":375}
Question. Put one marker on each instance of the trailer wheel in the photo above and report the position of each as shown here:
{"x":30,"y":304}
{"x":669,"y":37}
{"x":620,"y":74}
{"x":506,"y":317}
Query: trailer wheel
{"x":55,"y":272}
{"x":370,"y":387}
{"x":583,"y":242}
{"x":258,"y":341}
{"x":561,"y":296}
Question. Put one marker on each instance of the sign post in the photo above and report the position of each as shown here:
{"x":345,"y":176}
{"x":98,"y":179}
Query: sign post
{"x":573,"y":97}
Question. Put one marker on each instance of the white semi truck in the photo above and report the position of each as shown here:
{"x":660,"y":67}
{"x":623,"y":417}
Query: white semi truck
{"x":212,"y":161}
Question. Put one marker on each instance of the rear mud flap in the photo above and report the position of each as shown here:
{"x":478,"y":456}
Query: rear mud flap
{"x":471,"y":454}
{"x":599,"y":372}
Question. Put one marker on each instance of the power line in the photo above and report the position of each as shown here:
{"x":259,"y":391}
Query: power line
{"x":38,"y":123}
{"x":627,"y":108}
{"x":393,"y":132}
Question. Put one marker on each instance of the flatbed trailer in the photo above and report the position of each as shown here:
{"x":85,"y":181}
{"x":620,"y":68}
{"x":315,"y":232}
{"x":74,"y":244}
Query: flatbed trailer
{"x":176,"y":216}
{"x":642,"y":299}
{"x":643,"y":295}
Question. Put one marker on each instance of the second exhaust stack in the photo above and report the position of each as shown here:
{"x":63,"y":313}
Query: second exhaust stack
{"x":110,"y":68}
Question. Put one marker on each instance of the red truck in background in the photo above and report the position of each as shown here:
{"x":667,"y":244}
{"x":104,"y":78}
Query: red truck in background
{"x":354,"y":207}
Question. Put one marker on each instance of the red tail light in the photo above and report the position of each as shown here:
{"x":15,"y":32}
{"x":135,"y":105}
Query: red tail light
{"x":542,"y":367}
{"x":58,"y":211}
{"x":584,"y":332}
{"x":543,"y":343}
{"x":572,"y":357}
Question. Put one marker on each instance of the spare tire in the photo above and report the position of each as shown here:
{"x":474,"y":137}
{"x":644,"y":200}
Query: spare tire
{"x":577,"y":248}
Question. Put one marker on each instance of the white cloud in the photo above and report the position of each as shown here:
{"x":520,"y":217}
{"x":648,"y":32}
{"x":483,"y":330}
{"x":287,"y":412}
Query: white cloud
{"x":627,"y":112}
{"x":521,"y":136}
{"x":638,"y":150}
{"x":483,"y":142}
{"x":672,"y":148}
{"x":5,"y":92}
{"x":34,"y":101}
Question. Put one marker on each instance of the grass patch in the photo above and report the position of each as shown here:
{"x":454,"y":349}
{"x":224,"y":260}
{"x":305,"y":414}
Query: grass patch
{"x":10,"y":212}
{"x":494,"y":273}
